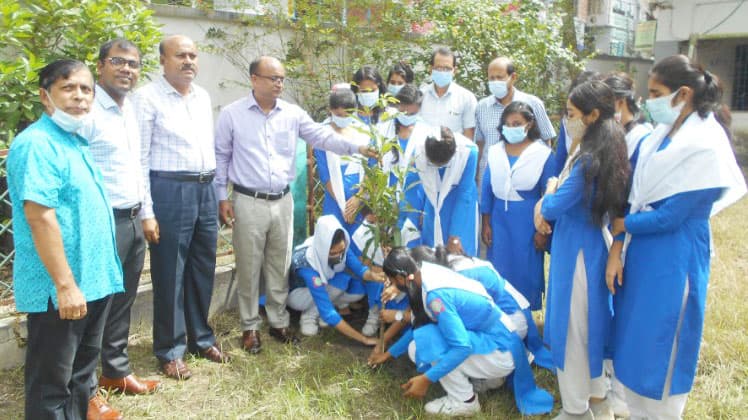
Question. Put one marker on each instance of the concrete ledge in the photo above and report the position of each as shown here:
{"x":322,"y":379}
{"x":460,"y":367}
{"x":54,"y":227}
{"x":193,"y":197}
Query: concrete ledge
{"x":13,"y":328}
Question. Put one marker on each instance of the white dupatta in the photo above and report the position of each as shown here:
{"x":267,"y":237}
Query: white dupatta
{"x":507,"y":180}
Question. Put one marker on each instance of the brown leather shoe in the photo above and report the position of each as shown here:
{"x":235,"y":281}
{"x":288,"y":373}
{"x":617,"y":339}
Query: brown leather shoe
{"x":214,"y":354}
{"x":99,"y":409}
{"x":130,"y":384}
{"x":251,"y":341}
{"x":176,"y":369}
{"x":284,"y":335}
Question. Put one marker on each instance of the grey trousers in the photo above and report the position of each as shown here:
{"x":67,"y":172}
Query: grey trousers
{"x":263,"y":235}
{"x":115,"y":363}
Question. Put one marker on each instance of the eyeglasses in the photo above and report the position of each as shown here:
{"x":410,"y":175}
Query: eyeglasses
{"x":274,"y":79}
{"x":118,"y":62}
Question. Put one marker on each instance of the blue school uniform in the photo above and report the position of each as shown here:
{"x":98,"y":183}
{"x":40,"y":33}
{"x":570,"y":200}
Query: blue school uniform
{"x":574,"y":232}
{"x":459,"y":210}
{"x":350,"y":187}
{"x":512,"y":250}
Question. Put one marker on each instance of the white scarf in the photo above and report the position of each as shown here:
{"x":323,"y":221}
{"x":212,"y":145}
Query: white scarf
{"x":698,"y":157}
{"x":336,"y":174}
{"x":319,"y":245}
{"x":418,"y":136}
{"x":507,"y":180}
{"x":364,"y":238}
{"x":635,"y":135}
{"x":435,"y":277}
{"x":437,"y":189}
{"x":461,"y":262}
{"x":409,"y":232}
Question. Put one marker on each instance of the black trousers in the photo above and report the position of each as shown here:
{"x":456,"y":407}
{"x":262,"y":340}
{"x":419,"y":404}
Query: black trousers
{"x":61,"y":358}
{"x":115,"y":363}
{"x":183,"y":266}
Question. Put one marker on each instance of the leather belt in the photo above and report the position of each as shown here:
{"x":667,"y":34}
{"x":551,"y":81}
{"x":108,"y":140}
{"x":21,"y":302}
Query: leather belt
{"x":130,"y":213}
{"x":199,"y":177}
{"x":261,"y":195}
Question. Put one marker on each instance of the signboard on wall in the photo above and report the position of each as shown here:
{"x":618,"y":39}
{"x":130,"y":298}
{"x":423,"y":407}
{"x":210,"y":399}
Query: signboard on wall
{"x":646,"y":33}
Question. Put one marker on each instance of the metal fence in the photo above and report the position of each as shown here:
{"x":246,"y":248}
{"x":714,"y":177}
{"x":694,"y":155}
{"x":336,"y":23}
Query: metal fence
{"x":6,"y":235}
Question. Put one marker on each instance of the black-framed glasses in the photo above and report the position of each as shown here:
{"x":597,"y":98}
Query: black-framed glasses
{"x":274,"y":79}
{"x":118,"y":62}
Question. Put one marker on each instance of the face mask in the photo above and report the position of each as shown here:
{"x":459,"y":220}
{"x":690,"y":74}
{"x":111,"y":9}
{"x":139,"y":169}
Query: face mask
{"x":661,"y":110}
{"x":394,"y":89}
{"x":617,"y":116}
{"x":336,"y":263}
{"x":514,"y":135}
{"x":575,"y":128}
{"x":368,"y":99}
{"x":341,"y":122}
{"x":69,"y":123}
{"x":441,"y":78}
{"x":407,"y":120}
{"x":498,"y":88}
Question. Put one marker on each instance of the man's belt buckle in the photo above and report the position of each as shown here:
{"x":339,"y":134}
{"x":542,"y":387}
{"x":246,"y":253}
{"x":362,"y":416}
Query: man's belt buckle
{"x":134,"y":211}
{"x":205,"y":177}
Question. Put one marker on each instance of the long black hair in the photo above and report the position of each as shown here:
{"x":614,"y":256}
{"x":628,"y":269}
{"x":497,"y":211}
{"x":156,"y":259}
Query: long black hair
{"x":399,"y":262}
{"x":677,"y":70}
{"x":521,"y":108}
{"x":368,"y":72}
{"x":437,"y":255}
{"x":602,"y":152}
{"x":403,"y":69}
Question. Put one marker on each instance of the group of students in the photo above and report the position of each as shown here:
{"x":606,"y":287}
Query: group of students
{"x":616,"y":200}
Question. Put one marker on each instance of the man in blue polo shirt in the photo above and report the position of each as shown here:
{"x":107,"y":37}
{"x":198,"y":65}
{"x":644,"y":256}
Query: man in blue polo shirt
{"x":66,"y":266}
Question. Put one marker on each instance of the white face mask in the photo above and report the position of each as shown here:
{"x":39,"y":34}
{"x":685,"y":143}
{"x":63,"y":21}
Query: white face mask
{"x":69,"y":123}
{"x":368,"y":99}
{"x":341,"y":122}
{"x":575,"y":128}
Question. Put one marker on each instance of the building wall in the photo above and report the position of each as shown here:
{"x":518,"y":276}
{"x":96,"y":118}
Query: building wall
{"x":698,"y":16}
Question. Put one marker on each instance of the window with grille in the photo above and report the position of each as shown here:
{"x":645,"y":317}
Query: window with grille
{"x":740,"y":86}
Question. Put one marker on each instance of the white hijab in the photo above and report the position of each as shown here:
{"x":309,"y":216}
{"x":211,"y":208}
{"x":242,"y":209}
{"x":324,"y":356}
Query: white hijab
{"x":319,"y":245}
{"x":436,"y":188}
{"x":364,"y":240}
{"x":507,"y":180}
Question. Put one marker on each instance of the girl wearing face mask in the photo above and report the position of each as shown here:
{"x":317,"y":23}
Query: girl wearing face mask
{"x":368,"y":87}
{"x":341,"y":176}
{"x":325,"y":273}
{"x":685,"y":173}
{"x":627,"y":110}
{"x":564,"y":140}
{"x":593,"y":187}
{"x":517,"y":171}
{"x":400,"y":75}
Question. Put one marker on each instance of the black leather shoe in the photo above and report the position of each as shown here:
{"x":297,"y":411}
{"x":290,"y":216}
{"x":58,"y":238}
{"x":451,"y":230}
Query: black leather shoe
{"x":284,"y":335}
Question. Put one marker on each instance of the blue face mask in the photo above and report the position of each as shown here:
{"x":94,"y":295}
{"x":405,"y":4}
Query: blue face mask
{"x":368,"y":99}
{"x":341,"y":122}
{"x":498,"y":88}
{"x":407,"y":120}
{"x":514,"y":135}
{"x":69,"y":123}
{"x":394,"y":89}
{"x":661,"y":110}
{"x":441,"y":78}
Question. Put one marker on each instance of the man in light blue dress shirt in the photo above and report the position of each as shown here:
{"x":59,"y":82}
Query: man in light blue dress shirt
{"x":180,"y":212}
{"x":255,"y":151}
{"x":114,"y":141}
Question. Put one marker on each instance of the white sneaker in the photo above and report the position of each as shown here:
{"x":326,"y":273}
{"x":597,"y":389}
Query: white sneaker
{"x":563,"y":415}
{"x":308,"y":324}
{"x":485,"y":385}
{"x":322,"y":323}
{"x":602,"y":410}
{"x":619,"y":406}
{"x":372,"y":323}
{"x":448,"y":406}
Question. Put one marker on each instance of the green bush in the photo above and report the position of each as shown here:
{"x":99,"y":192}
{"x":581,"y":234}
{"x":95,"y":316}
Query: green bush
{"x":35,"y":33}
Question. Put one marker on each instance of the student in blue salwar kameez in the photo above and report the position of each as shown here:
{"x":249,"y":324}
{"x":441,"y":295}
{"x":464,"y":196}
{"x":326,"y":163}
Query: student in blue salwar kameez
{"x":661,"y":298}
{"x":592,"y":185}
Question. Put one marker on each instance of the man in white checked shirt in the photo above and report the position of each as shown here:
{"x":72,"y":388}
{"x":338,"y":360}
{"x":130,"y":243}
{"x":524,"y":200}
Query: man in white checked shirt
{"x":114,"y":143}
{"x":501,"y":79}
{"x":180,"y":211}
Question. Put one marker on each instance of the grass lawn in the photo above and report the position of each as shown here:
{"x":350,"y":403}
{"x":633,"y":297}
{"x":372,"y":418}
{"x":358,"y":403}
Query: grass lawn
{"x":327,"y":377}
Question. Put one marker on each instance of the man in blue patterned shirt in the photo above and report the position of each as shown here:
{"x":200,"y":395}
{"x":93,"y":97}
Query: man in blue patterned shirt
{"x":66,"y":266}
